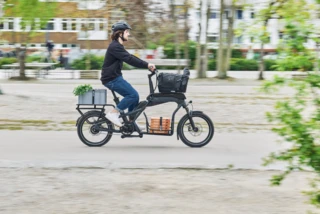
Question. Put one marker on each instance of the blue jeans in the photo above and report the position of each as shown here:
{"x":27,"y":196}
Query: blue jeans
{"x":130,"y":95}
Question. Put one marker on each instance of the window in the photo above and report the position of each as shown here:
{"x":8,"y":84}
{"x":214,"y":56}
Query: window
{"x":214,"y":15}
{"x":64,"y":24}
{"x":239,"y":14}
{"x":252,"y":15}
{"x":238,"y":40}
{"x":102,"y":25}
{"x":69,"y":45}
{"x":198,"y":14}
{"x":213,"y":38}
{"x":7,"y":24}
{"x":73,"y":24}
{"x":69,"y":24}
{"x":226,"y":14}
{"x":50,"y":25}
{"x":10,"y":23}
{"x":269,"y":40}
{"x":280,"y":35}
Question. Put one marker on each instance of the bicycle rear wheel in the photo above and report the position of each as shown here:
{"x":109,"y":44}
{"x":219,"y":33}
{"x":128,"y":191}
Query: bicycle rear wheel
{"x":88,"y":129}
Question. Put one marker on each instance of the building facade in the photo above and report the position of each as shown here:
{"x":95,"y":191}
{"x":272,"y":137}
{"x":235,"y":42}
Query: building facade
{"x":80,"y":24}
{"x":66,"y":29}
{"x":242,"y":15}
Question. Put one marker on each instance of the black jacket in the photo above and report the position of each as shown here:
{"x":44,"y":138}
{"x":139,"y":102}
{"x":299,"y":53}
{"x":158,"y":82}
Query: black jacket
{"x":113,"y":61}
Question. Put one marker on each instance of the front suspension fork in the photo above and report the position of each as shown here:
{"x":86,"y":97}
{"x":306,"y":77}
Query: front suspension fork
{"x":189,"y":113}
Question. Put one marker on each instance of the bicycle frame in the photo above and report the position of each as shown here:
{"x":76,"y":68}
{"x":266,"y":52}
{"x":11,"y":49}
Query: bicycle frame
{"x":152,"y":99}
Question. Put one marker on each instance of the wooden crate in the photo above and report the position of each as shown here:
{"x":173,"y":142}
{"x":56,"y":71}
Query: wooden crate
{"x":155,"y":125}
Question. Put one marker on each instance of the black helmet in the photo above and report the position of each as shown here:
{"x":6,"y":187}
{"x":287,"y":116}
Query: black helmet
{"x":120,"y":25}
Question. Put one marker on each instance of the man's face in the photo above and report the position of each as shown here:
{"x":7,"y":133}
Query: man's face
{"x":126,"y":34}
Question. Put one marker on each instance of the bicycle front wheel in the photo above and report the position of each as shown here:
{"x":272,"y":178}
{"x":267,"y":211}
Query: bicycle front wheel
{"x":201,"y":135}
{"x":88,"y":129}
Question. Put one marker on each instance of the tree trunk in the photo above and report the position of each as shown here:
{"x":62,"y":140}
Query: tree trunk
{"x":230,"y":38}
{"x":205,"y":49}
{"x":88,"y":43}
{"x":261,"y":62}
{"x":222,"y":74}
{"x":176,"y":37}
{"x":22,"y":56}
{"x":186,"y":31}
{"x":198,"y":58}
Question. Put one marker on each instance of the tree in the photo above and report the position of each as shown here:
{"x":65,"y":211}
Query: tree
{"x":225,"y":40}
{"x":202,"y":51}
{"x":33,"y":17}
{"x":258,"y":29}
{"x":298,"y":118}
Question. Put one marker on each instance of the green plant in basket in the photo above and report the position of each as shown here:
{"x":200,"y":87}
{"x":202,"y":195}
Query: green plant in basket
{"x":82,"y":89}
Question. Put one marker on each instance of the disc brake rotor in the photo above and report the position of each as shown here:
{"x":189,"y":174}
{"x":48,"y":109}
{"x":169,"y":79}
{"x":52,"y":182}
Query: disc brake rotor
{"x":197,"y":131}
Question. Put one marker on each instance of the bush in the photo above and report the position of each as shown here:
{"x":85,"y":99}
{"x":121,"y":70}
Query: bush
{"x":212,"y":65}
{"x":7,"y":61}
{"x":34,"y":59}
{"x":169,"y":51}
{"x":151,"y":46}
{"x":236,"y":65}
{"x":294,"y":63}
{"x":270,"y":65}
{"x":243,"y":65}
{"x":236,"y":53}
{"x":96,"y":62}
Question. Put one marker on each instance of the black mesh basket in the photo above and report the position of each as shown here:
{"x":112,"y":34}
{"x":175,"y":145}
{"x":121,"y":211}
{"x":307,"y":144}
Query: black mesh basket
{"x":173,"y":83}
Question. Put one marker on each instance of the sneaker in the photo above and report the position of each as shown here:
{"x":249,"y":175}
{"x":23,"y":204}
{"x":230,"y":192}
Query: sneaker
{"x":114,"y":118}
{"x":141,"y":127}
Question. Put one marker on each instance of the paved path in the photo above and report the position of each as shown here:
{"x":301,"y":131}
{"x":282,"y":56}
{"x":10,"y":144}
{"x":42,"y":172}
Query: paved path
{"x":64,"y":149}
{"x":53,"y":172}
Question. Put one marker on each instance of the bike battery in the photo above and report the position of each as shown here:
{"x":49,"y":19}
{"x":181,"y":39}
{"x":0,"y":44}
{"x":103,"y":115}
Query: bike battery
{"x":160,"y":125}
{"x":93,"y":97}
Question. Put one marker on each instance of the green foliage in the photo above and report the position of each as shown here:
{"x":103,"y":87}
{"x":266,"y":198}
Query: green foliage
{"x":82,"y":89}
{"x":96,"y":62}
{"x":243,"y":65}
{"x":295,"y":63}
{"x":169,"y":51}
{"x":34,"y":59}
{"x":297,"y":122}
{"x":236,"y":53}
{"x":7,"y":61}
{"x":270,"y":65}
{"x":151,"y":46}
{"x":212,"y":65}
{"x":33,"y":13}
{"x":237,"y":64}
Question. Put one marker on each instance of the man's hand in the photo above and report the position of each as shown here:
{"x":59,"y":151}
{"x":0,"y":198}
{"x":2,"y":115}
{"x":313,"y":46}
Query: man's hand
{"x":151,"y":67}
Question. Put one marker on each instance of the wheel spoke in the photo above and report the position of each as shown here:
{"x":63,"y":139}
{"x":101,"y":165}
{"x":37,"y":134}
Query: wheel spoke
{"x":202,"y":132}
{"x":88,"y":130}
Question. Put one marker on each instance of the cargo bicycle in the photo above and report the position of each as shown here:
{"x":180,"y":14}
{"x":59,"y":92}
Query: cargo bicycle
{"x":195,"y":129}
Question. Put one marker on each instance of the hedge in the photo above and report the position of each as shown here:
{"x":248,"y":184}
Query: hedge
{"x":6,"y":61}
{"x":237,"y":64}
{"x":96,"y":63}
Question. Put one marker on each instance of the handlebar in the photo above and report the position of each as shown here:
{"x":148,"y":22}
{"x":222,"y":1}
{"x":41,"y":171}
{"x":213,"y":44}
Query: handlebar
{"x":153,"y":72}
{"x":150,"y":81}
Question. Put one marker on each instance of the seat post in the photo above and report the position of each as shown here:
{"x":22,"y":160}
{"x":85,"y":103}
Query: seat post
{"x":116,"y":99}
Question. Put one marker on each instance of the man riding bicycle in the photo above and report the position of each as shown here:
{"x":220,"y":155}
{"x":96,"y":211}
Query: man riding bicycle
{"x":111,"y":75}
